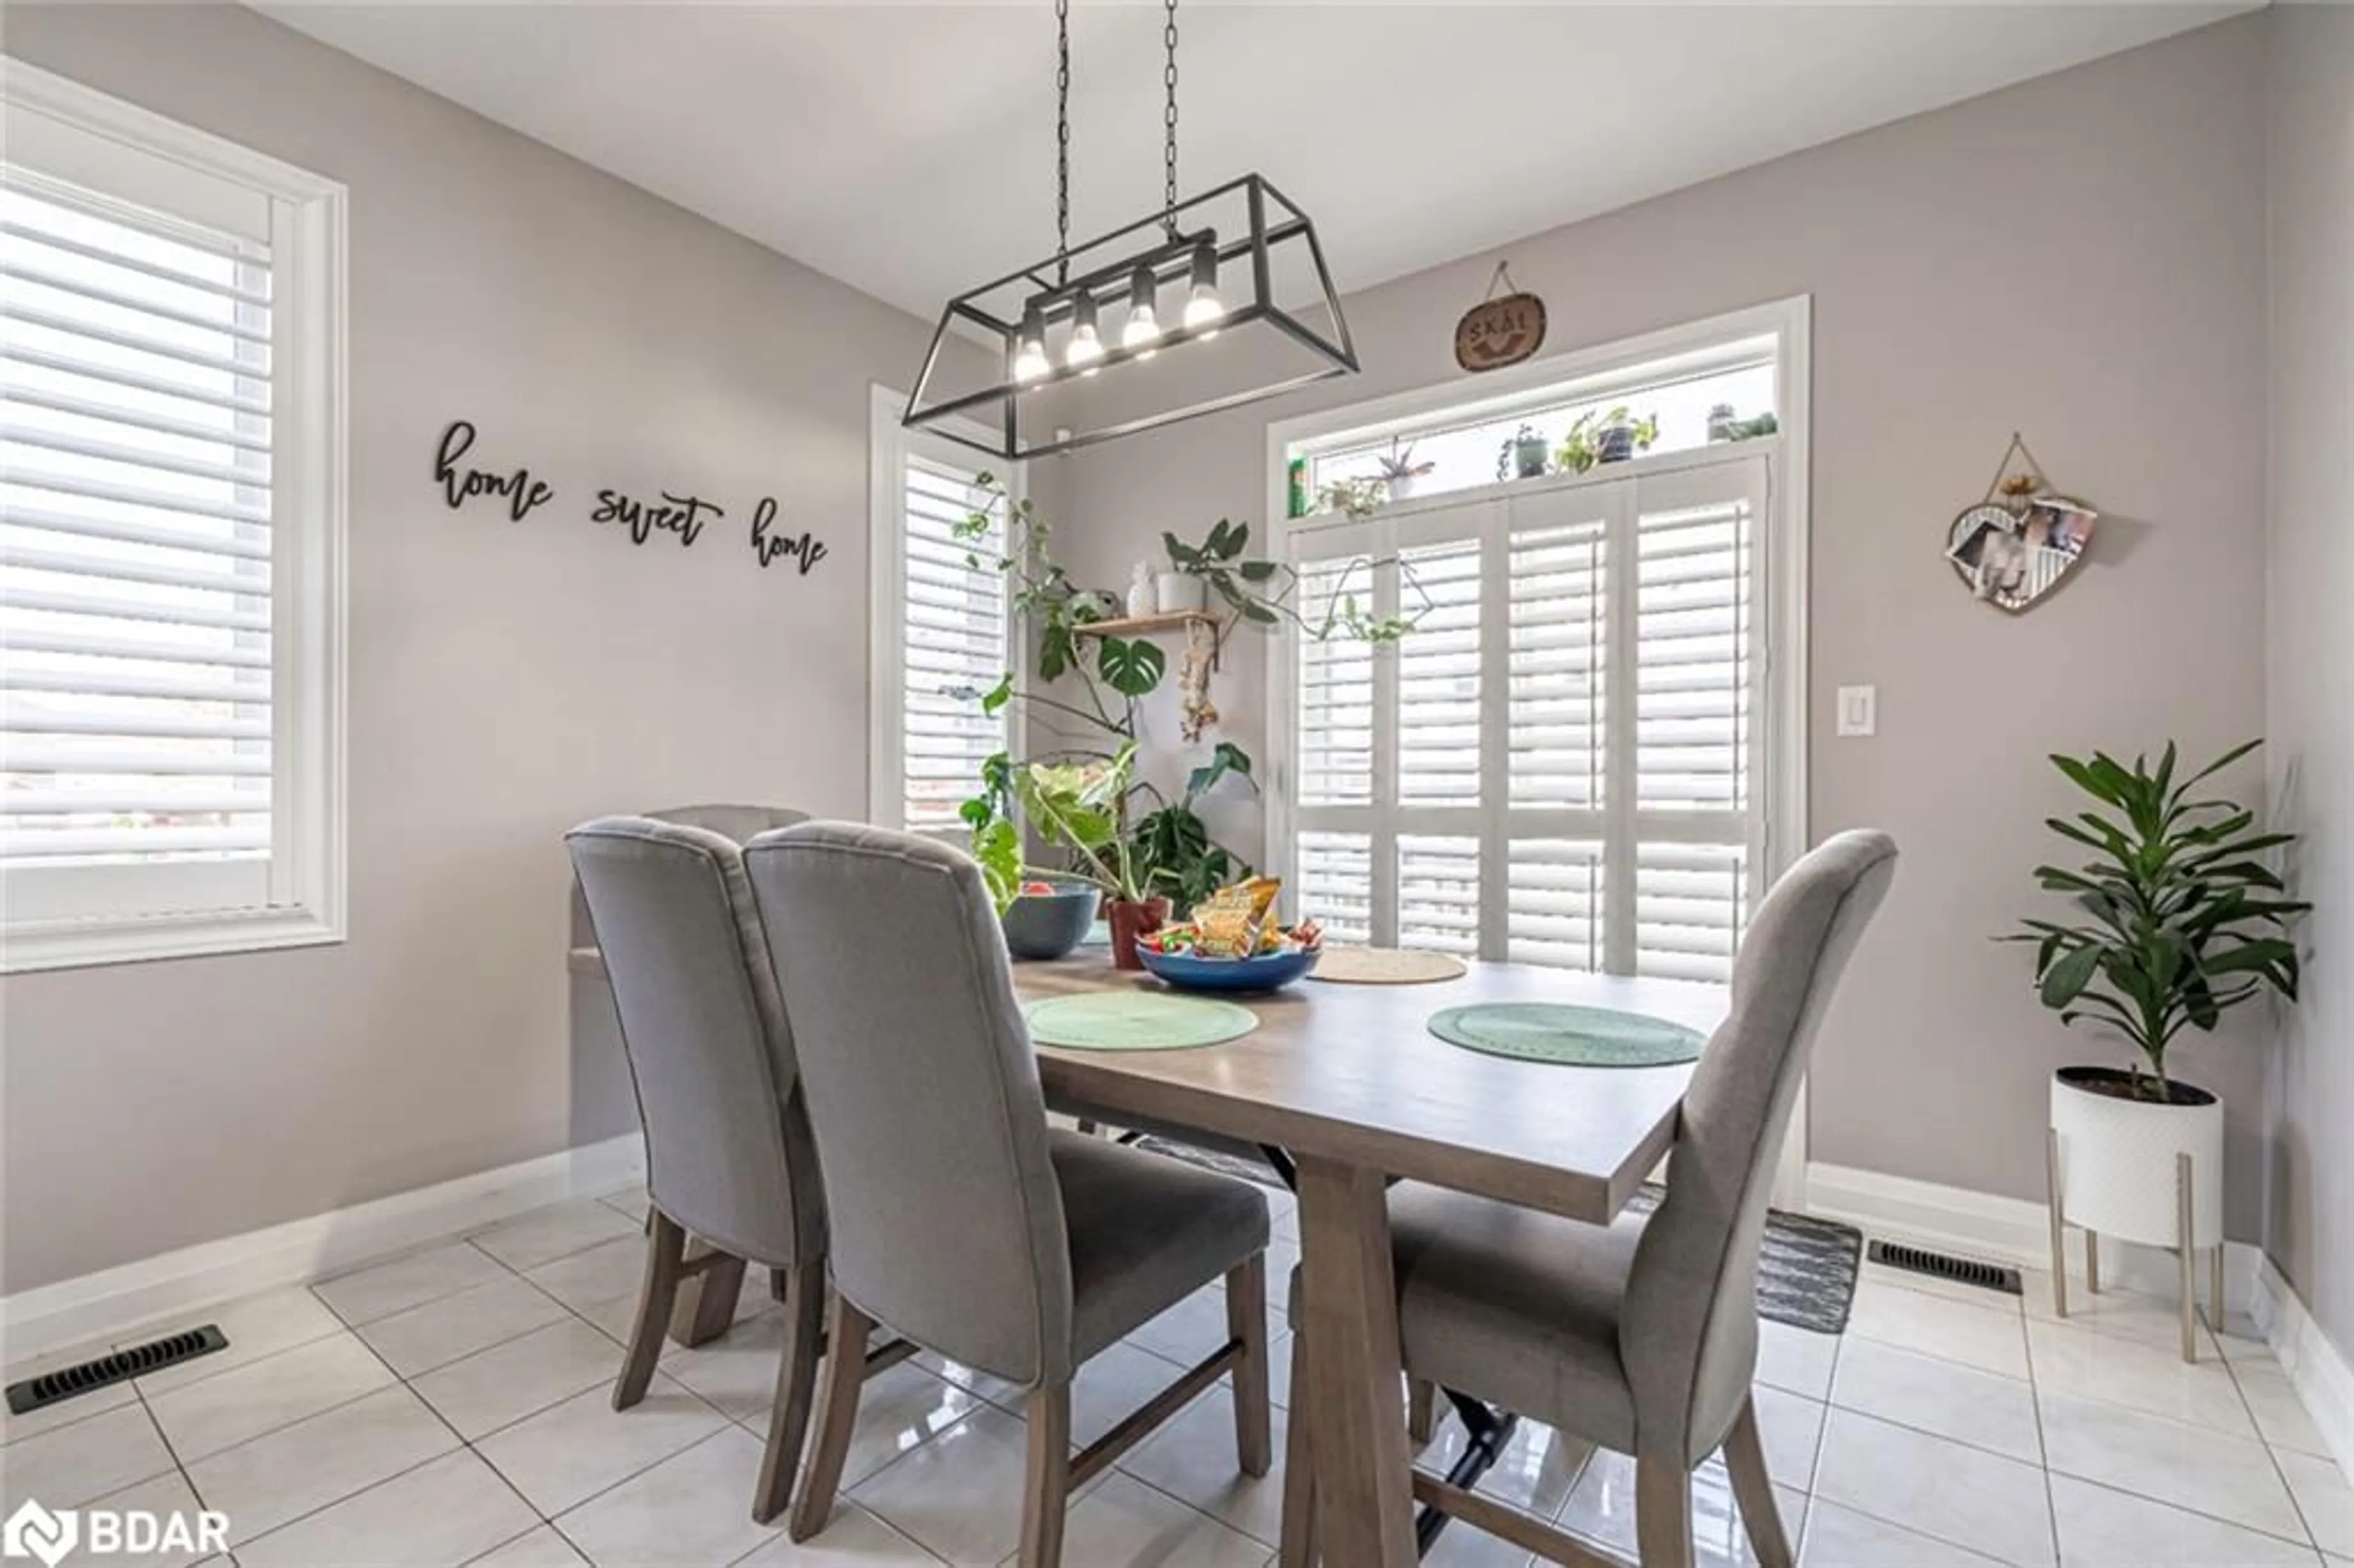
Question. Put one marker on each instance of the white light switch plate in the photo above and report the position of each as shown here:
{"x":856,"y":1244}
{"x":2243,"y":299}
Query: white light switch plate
{"x":1859,"y":710}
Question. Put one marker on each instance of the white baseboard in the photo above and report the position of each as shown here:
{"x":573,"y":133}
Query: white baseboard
{"x":2005,"y":1230}
{"x":2317,"y":1369}
{"x":112,"y":1303}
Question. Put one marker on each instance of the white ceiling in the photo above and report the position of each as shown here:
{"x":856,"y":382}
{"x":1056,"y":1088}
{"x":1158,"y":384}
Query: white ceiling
{"x":908,"y":150}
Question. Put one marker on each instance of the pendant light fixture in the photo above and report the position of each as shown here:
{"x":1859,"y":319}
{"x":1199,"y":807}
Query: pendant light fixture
{"x":999,"y":374}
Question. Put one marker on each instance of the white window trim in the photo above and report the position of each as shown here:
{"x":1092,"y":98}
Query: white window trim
{"x":1591,"y":373}
{"x":889,"y":447}
{"x":308,"y":857}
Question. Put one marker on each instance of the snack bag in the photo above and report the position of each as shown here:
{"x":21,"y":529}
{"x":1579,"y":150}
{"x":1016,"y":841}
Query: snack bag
{"x":1231,"y":921}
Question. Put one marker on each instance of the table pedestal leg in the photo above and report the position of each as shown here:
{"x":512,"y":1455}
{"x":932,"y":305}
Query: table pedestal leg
{"x":1364,"y":1494}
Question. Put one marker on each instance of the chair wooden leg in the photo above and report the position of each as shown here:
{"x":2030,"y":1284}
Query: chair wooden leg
{"x":1744,"y":1458}
{"x":1663,"y":1531}
{"x":789,"y":1415}
{"x":657,"y":1295}
{"x":1247,"y":1322}
{"x":1046,"y":1484}
{"x":2092,"y":1261}
{"x":1298,"y":1474}
{"x":1421,"y":1410}
{"x":706,"y":1308}
{"x":837,"y":1414}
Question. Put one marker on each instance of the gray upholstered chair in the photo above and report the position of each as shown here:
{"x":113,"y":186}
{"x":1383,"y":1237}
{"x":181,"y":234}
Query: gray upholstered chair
{"x":729,"y":1157}
{"x":958,"y":1218}
{"x":1641,"y":1337}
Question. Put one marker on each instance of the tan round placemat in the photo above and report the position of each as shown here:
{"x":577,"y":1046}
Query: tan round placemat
{"x":1386,"y":966}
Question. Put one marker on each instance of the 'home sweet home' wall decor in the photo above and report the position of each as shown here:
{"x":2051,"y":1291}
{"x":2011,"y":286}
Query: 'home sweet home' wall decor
{"x":684,"y":516}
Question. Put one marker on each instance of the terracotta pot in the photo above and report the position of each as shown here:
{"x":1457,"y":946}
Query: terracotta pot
{"x":1129,"y":921}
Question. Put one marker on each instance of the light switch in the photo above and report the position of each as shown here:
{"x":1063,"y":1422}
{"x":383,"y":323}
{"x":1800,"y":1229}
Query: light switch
{"x":1859,"y":710}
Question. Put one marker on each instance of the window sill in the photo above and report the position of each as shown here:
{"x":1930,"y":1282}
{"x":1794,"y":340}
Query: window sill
{"x":87,"y":943}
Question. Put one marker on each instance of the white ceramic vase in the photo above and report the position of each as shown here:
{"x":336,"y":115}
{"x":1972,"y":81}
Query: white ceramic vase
{"x":2117,"y":1162}
{"x":1402,"y":486}
{"x":1181,"y":591}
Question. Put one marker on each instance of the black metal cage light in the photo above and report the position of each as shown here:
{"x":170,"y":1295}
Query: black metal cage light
{"x":1008,"y":357}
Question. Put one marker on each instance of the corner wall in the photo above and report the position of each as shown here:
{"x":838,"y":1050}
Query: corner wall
{"x":2309,"y":700}
{"x":2080,"y":258}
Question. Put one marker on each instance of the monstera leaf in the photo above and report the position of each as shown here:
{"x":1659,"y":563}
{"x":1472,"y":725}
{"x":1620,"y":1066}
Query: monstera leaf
{"x":1130,"y":668}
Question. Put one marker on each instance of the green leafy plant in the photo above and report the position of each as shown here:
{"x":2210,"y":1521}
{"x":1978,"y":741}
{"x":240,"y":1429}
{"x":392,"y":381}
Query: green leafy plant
{"x":1352,"y":497}
{"x":1399,"y":462}
{"x":1218,"y":560}
{"x":1174,"y":848}
{"x":2181,"y":920}
{"x":1082,"y":802}
{"x":1588,"y":439}
{"x":1262,"y":591}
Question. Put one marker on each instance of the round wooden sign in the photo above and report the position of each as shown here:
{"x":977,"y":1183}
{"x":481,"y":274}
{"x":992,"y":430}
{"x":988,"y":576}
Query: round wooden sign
{"x":1500,"y":332}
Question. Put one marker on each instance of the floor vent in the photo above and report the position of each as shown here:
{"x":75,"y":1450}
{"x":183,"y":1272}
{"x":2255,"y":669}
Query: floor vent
{"x":51,"y":1388}
{"x":1938,"y":1265}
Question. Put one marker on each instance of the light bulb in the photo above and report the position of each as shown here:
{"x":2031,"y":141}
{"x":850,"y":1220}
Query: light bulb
{"x":1084,"y":347}
{"x":1030,"y":360}
{"x":1205,"y":309}
{"x":1202,"y":306}
{"x":1144,"y":328}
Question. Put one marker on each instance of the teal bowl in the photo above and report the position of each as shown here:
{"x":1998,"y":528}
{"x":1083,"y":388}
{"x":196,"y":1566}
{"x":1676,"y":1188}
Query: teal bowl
{"x":1049,"y":924}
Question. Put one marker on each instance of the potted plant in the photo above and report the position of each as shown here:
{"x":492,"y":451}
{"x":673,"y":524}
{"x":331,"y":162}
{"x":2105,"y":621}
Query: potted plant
{"x":1079,"y":807}
{"x":2178,"y":921}
{"x":1522,"y":455}
{"x":1353,"y":497}
{"x":1400,"y":473}
{"x":1619,"y":435}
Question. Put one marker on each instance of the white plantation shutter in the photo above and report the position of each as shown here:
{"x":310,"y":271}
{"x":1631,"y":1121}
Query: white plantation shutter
{"x":954,"y":640}
{"x":164,"y":453}
{"x":1556,"y":766}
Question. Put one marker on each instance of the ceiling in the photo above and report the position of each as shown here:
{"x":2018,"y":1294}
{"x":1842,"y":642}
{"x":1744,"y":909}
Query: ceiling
{"x":908,"y":150}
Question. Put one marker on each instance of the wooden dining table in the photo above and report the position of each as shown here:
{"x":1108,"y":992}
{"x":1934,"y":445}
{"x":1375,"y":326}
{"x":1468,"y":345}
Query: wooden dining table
{"x":1350,"y":1084}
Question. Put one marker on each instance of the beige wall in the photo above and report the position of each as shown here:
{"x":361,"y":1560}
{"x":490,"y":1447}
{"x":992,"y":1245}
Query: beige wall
{"x":505,"y":681}
{"x":2081,"y":258}
{"x":2309,"y":1203}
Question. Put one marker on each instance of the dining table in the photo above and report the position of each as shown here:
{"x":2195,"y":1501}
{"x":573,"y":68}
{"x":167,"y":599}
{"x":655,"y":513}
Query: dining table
{"x":1350,"y":1085}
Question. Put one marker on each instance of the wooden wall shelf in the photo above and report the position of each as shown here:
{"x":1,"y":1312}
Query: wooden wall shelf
{"x":1147,"y":625}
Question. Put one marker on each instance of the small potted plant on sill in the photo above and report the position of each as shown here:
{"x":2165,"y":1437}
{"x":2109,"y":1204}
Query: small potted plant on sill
{"x":2178,"y":921}
{"x":1400,"y":474}
{"x":1522,"y":455}
{"x":1599,"y":437}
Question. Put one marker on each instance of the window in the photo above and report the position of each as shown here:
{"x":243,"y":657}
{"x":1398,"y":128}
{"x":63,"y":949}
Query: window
{"x":171,"y":520}
{"x":1711,"y":396}
{"x":1576,"y":757}
{"x":941,"y":624}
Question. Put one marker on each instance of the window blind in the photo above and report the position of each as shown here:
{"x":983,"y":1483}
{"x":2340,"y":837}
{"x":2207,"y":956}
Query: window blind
{"x":953,"y":640}
{"x":136,"y":510}
{"x":1556,"y":766}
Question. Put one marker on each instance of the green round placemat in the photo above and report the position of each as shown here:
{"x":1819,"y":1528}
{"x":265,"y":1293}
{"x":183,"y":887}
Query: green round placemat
{"x":1135,"y":1021}
{"x":1573,"y":1036}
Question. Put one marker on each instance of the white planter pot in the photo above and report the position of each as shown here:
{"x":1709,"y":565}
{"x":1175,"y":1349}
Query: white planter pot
{"x":1403,"y":486}
{"x":1180,"y":591}
{"x":2116,"y":1161}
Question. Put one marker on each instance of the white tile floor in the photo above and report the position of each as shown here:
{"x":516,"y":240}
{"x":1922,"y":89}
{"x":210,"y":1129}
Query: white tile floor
{"x":450,"y":1406}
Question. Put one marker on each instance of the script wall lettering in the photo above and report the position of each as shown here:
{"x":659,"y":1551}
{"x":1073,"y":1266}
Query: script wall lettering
{"x":682,"y":515}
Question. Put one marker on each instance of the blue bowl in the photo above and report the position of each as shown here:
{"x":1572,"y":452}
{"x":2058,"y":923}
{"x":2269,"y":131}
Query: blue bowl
{"x":1049,"y":924}
{"x":1190,"y":973}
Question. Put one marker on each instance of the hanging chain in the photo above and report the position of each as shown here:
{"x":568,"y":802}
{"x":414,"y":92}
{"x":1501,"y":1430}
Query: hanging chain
{"x":1168,"y":123}
{"x":1063,"y":140}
